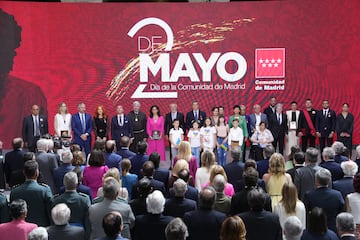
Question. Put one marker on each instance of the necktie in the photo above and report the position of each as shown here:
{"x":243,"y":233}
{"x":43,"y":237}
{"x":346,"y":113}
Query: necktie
{"x":83,"y":122}
{"x":279,"y":119}
{"x":196,"y":116}
{"x":325,"y":113}
{"x":37,"y":130}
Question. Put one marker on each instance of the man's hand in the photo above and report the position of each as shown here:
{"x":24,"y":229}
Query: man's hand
{"x":83,"y":137}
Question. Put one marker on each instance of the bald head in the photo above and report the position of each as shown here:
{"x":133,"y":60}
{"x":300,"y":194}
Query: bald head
{"x":110,"y":146}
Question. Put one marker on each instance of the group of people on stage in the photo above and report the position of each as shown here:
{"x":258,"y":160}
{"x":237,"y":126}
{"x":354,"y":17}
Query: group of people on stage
{"x":217,"y":132}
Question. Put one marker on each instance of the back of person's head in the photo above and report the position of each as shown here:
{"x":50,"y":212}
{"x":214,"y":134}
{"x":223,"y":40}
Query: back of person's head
{"x":114,"y":173}
{"x":96,"y":158}
{"x":141,"y":147}
{"x":66,"y":156}
{"x":125,"y":166}
{"x":155,"y":159}
{"x":215,"y":170}
{"x":219,"y":183}
{"x":269,"y":150}
{"x":207,"y":159}
{"x":311,"y":155}
{"x":111,"y":188}
{"x":70,"y":181}
{"x":110,"y":146}
{"x":250,"y":177}
{"x":317,"y":222}
{"x":78,"y":171}
{"x":289,"y":197}
{"x":42,"y":144}
{"x":184,"y":174}
{"x":155,"y":202}
{"x":124,"y":141}
{"x":236,"y":153}
{"x":39,"y":233}
{"x":328,"y":153}
{"x":293,"y":150}
{"x":31,"y":169}
{"x":250,"y":163}
{"x":148,"y":169}
{"x":176,"y":230}
{"x":293,"y":228}
{"x":144,"y":187}
{"x":299,"y":157}
{"x":112,"y":224}
{"x":356,"y":183}
{"x":349,"y":168}
{"x":18,"y":209}
{"x":75,"y":148}
{"x":256,"y":199}
{"x":28,"y":156}
{"x":180,"y":165}
{"x":184,"y":151}
{"x":99,"y":145}
{"x":345,"y":223}
{"x":78,"y":158}
{"x":60,"y":214}
{"x":207,"y":198}
{"x":338,"y":147}
{"x":180,"y":188}
{"x":277,"y":164}
{"x":323,"y":177}
{"x":233,"y":228}
{"x":17,"y":143}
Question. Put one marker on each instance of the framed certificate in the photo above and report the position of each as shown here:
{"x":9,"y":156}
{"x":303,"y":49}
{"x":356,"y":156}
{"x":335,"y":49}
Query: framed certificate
{"x":64,"y":134}
{"x":155,"y":135}
{"x":292,"y":125}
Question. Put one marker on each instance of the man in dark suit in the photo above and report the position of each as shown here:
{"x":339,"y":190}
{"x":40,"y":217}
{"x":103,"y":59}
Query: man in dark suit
{"x":178,"y":205}
{"x":169,"y":119}
{"x":263,"y":165}
{"x":37,"y":196}
{"x":270,"y":110}
{"x":256,"y":118}
{"x":195,"y":114}
{"x":298,"y":161}
{"x":330,"y":164}
{"x":124,"y":151}
{"x":34,"y":126}
{"x":278,"y":127}
{"x":306,"y":126}
{"x":139,"y":159}
{"x":60,"y":215}
{"x":154,"y":221}
{"x":138,"y":204}
{"x":325,"y":124}
{"x":111,"y":158}
{"x":345,"y":185}
{"x":14,"y":163}
{"x":160,"y":174}
{"x":324,"y":197}
{"x":113,"y":225}
{"x":64,"y":168}
{"x":204,"y":223}
{"x":120,"y":126}
{"x":234,"y":170}
{"x":191,"y":193}
{"x":81,"y":124}
{"x":345,"y":226}
{"x":260,"y":224}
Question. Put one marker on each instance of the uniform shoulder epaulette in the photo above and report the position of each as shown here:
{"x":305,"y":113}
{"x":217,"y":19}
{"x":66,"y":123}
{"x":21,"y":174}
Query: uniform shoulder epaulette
{"x":56,"y":195}
{"x":15,"y":186}
{"x":44,"y":185}
{"x":83,"y":194}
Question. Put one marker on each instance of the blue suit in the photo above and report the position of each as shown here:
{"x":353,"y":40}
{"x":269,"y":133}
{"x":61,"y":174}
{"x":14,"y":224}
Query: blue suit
{"x":78,"y":131}
{"x":192,"y":193}
{"x":325,"y":125}
{"x":113,"y":160}
{"x":137,"y":162}
{"x":118,"y":131}
{"x":252,"y":122}
{"x":334,"y":168}
{"x":124,"y":152}
{"x":344,"y":185}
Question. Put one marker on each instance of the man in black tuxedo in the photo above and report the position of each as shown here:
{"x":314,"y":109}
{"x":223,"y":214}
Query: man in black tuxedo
{"x":169,"y":119}
{"x":345,"y":226}
{"x":270,"y":110}
{"x":120,"y":126}
{"x":306,"y":126}
{"x":325,"y":125}
{"x":34,"y":126}
{"x":278,"y":127}
{"x":195,"y":114}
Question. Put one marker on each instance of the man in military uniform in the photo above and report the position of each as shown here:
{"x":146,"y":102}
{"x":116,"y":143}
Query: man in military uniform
{"x":77,"y":202}
{"x":36,"y":195}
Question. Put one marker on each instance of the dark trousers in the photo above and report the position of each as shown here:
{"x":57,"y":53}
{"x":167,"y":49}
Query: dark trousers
{"x":308,"y":140}
{"x":257,"y":152}
{"x":347,"y":141}
{"x":325,"y":142}
{"x":138,"y":137}
{"x":279,"y":141}
{"x":32,"y":146}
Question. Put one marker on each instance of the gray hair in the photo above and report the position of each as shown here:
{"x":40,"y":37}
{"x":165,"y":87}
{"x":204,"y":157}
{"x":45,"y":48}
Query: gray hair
{"x":357,"y":149}
{"x":111,"y":188}
{"x":338,"y":147}
{"x":293,"y":228}
{"x":345,"y":222}
{"x":66,"y":156}
{"x":155,"y":202}
{"x":38,"y":233}
{"x":60,"y":214}
{"x":328,"y":153}
{"x":70,"y":181}
{"x":42,"y":144}
{"x":236,"y":153}
{"x":323,"y":177}
{"x":311,"y":154}
{"x":136,"y":103}
{"x":176,"y":230}
{"x":180,"y":188}
{"x":50,"y":144}
{"x":349,"y":168}
{"x":219,"y":183}
{"x":269,"y":150}
{"x":82,"y":103}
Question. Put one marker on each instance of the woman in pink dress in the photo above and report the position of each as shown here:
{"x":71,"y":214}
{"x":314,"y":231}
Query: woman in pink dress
{"x":155,"y":130}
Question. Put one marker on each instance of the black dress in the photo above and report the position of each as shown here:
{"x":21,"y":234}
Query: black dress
{"x":101,"y":127}
{"x":345,"y":125}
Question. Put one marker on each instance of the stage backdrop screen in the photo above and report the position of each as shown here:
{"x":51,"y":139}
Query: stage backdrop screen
{"x":159,"y":53}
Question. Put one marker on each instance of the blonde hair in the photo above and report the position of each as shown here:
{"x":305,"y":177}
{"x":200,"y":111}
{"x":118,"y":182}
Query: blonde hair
{"x":59,"y":106}
{"x":180,"y":165}
{"x":114,"y":173}
{"x":184,"y":151}
{"x":215,"y":170}
{"x":289,"y":197}
{"x":277,"y":164}
{"x":207,"y":159}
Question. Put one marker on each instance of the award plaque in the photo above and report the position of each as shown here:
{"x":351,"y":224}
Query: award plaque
{"x":292,"y":125}
{"x":155,"y":135}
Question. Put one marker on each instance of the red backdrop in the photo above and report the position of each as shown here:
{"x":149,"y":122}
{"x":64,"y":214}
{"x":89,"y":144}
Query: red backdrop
{"x":73,"y":51}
